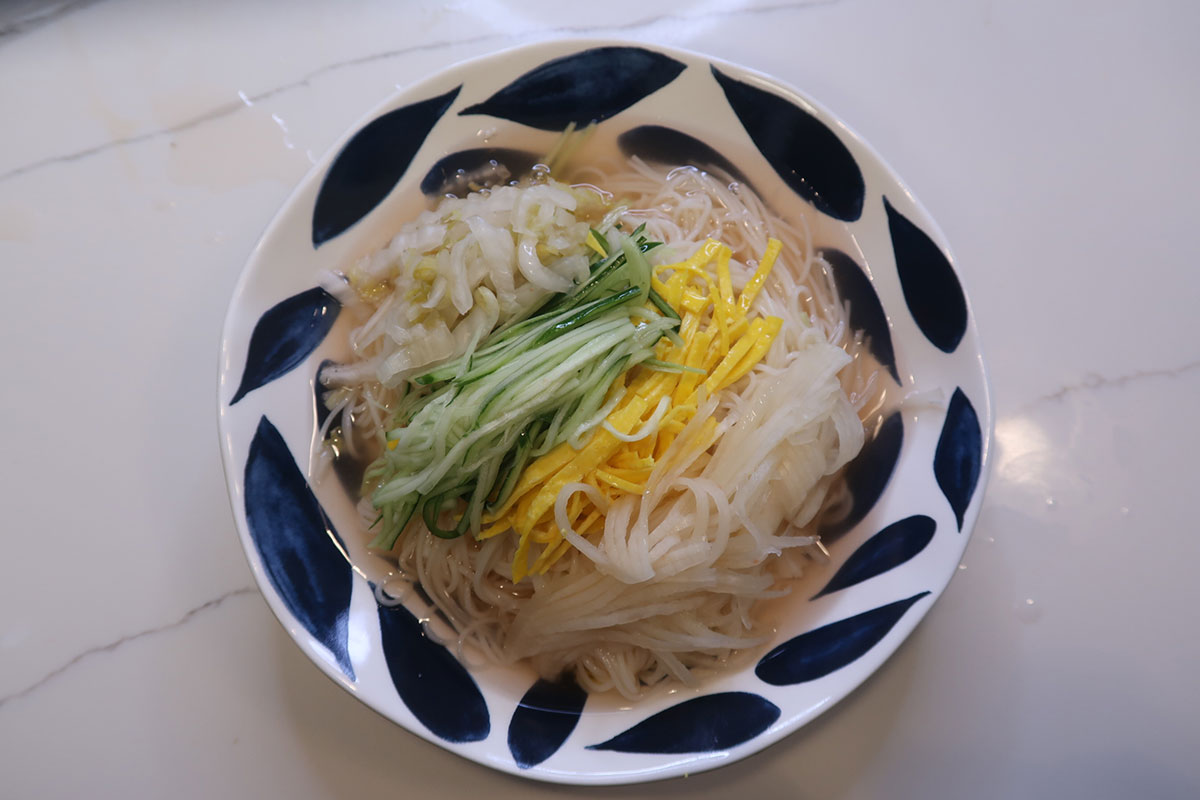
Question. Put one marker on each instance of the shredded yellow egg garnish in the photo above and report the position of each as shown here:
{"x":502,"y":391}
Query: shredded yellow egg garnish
{"x":655,"y":406}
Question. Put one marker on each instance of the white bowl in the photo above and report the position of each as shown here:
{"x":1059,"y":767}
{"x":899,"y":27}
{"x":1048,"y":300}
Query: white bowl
{"x":918,"y":484}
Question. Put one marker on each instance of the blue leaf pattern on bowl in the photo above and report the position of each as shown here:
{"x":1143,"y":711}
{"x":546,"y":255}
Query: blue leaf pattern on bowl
{"x":543,"y":720}
{"x":886,"y":550}
{"x":664,"y":145}
{"x":866,"y":312}
{"x":372,"y":163}
{"x":827,"y":649}
{"x":299,"y":549}
{"x":285,"y":335}
{"x":701,"y":725}
{"x":585,"y":87}
{"x":931,"y":289}
{"x":959,"y":455}
{"x":810,"y":158}
{"x":437,"y":689}
{"x":867,"y":476}
{"x":480,"y":167}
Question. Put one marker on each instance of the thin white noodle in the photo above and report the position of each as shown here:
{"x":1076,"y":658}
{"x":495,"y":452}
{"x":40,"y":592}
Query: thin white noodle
{"x":650,"y":426}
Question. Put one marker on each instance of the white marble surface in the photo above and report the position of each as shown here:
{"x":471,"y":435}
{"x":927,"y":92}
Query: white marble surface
{"x":145,"y":147}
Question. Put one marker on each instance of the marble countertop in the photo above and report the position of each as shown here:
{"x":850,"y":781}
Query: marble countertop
{"x":147,"y":145}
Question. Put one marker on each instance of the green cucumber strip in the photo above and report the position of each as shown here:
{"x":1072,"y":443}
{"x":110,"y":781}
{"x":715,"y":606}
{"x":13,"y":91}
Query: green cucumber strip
{"x":513,"y":468}
{"x":587,"y":314}
{"x":387,"y":536}
{"x":670,"y":366}
{"x":601,"y":241}
{"x":662,"y":305}
{"x":431,"y":506}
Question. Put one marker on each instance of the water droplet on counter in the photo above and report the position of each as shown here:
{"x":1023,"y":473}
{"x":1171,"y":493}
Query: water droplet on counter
{"x":1050,"y":502}
{"x":237,"y":149}
{"x":962,"y":566}
{"x":1124,"y":511}
{"x":991,"y":540}
{"x":1028,"y":611}
{"x":287,"y":142}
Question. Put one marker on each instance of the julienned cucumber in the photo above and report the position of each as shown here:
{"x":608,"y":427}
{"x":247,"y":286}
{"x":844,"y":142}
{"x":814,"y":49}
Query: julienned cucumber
{"x":460,"y":447}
